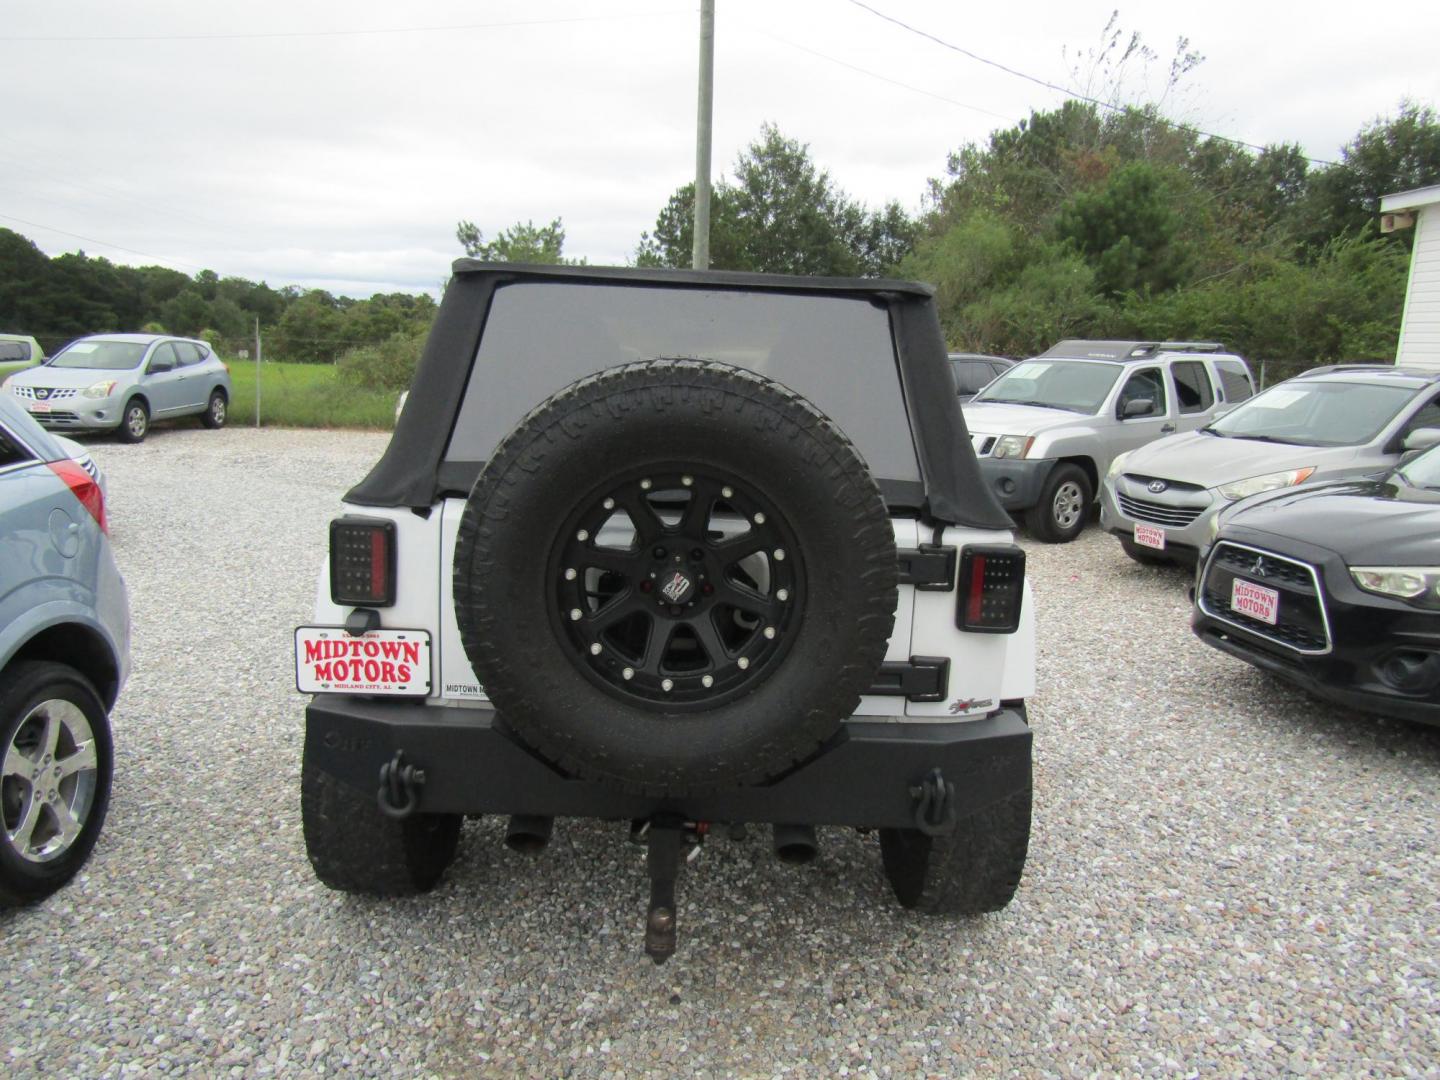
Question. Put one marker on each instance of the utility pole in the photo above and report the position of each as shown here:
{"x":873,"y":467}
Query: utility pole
{"x":257,"y":371}
{"x":701,"y":255}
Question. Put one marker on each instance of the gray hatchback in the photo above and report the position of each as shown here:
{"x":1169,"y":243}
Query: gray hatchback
{"x":1330,"y":423}
{"x":122,"y":382}
{"x":64,"y":656}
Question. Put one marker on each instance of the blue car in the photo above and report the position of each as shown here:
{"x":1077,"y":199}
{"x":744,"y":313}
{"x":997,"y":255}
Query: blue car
{"x":64,"y":657}
{"x":121,"y":382}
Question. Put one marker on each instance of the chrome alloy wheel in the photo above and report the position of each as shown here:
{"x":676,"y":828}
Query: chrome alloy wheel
{"x":48,"y":781}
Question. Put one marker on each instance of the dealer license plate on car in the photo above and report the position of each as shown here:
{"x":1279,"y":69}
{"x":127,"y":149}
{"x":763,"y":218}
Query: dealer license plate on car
{"x":40,"y":406}
{"x":1256,"y":601}
{"x":328,"y":660}
{"x":1149,"y":536}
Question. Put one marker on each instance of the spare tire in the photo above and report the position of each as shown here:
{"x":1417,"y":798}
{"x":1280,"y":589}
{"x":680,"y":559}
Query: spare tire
{"x":675,"y":576}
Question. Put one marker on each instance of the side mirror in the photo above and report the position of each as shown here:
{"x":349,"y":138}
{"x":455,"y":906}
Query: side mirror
{"x":159,"y":367}
{"x":1137,"y":407}
{"x":1421,"y":439}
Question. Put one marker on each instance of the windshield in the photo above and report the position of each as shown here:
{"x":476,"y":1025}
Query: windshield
{"x":1315,"y":413}
{"x":102,"y":355}
{"x":1423,"y":471}
{"x":1073,"y":385}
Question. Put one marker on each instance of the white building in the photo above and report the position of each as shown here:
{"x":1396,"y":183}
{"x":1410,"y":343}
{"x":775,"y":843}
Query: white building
{"x":1420,"y":324}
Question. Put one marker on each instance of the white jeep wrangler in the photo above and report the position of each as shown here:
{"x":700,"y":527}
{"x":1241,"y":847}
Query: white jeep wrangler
{"x":680,"y":549}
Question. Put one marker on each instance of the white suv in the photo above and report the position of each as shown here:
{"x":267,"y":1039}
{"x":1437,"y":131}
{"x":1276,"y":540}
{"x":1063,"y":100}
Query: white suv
{"x":1046,"y":431}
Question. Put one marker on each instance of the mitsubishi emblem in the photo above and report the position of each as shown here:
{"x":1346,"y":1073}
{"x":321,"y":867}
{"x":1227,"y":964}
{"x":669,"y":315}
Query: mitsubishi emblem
{"x":1259,"y":568}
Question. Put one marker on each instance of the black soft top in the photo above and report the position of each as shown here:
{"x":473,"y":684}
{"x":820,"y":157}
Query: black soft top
{"x":413,"y":471}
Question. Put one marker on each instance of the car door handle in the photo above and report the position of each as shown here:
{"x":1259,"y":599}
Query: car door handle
{"x":1166,"y":429}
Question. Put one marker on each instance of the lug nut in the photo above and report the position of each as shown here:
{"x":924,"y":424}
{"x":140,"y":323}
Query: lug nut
{"x":582,"y":535}
{"x":707,"y":681}
{"x":575,"y":614}
{"x":596,"y":649}
{"x":628,"y":673}
{"x":759,"y":518}
{"x":609,"y":504}
{"x":667,"y":685}
{"x":645,"y":485}
{"x":770,"y":633}
{"x":782,"y":594}
{"x":570,"y":574}
{"x":779,"y":554}
{"x":687,"y":480}
{"x":743,"y":663}
{"x":727,"y":492}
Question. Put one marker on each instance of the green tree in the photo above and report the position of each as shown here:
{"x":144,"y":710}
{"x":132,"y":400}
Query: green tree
{"x":782,"y":214}
{"x":312,"y":330}
{"x":522,"y":242}
{"x":1127,"y":230}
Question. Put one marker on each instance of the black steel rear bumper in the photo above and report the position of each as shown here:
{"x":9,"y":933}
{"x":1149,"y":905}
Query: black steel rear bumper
{"x":864,"y":777}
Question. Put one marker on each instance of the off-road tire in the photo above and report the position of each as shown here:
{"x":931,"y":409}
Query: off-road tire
{"x":608,"y":429}
{"x":215,"y":410}
{"x":25,"y":688}
{"x":134,"y":422}
{"x":1064,"y":506}
{"x":355,"y":848}
{"x":974,"y":870}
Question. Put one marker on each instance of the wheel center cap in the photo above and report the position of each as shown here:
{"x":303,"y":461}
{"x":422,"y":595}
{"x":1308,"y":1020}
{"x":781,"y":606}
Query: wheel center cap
{"x":676,"y":587}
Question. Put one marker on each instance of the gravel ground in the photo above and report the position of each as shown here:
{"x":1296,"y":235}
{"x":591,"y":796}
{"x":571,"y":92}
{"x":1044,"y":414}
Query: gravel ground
{"x":1225,"y":876}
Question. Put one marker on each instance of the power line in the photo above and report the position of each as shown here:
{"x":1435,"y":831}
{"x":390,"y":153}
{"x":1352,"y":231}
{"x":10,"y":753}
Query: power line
{"x":1053,"y":86}
{"x":102,"y":243}
{"x":344,"y":33}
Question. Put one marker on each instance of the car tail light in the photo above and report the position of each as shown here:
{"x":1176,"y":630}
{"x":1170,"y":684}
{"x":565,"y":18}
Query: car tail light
{"x":992,"y":588}
{"x":84,"y":488}
{"x":362,"y":561}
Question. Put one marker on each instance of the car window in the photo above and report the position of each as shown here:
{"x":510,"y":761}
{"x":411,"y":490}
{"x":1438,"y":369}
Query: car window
{"x":100,"y":355}
{"x":1192,"y":386}
{"x":837,"y":351}
{"x":1316,"y":413}
{"x":1235,"y":384}
{"x":14,"y":351}
{"x":163,"y":352}
{"x":187,"y":353}
{"x":1073,"y":385}
{"x":1428,"y":416}
{"x":11,"y":450}
{"x":971,"y":375}
{"x":1147,"y":383}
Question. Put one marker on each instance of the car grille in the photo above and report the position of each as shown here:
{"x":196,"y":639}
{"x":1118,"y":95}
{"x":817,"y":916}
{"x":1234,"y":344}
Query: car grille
{"x":983,"y":444}
{"x":1301,"y":622}
{"x":55,"y":417}
{"x":41,"y":393}
{"x":1175,"y":517}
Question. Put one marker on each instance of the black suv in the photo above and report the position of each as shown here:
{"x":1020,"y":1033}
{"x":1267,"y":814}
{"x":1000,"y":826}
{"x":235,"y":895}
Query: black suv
{"x":684,"y":550}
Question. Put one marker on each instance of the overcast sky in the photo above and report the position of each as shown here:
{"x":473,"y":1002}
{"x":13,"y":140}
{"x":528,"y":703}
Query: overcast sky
{"x":335,"y":144}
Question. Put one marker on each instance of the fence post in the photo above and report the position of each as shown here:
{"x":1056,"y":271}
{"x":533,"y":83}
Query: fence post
{"x":257,"y":371}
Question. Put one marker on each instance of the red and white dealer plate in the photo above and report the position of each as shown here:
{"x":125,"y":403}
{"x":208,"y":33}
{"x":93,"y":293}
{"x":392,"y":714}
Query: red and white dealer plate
{"x":330,"y":661}
{"x":1150,"y":536}
{"x":1256,"y":601}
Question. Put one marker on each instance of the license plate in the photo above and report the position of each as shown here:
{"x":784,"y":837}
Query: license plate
{"x":1149,"y":536}
{"x":40,"y":406}
{"x":1256,"y":601}
{"x":330,"y":661}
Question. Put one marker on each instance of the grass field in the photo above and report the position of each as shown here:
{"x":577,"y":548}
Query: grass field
{"x":306,"y":395}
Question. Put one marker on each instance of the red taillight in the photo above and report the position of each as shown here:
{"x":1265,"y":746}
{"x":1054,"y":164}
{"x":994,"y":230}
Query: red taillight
{"x":362,"y":561}
{"x":992,"y":588}
{"x":83,"y":486}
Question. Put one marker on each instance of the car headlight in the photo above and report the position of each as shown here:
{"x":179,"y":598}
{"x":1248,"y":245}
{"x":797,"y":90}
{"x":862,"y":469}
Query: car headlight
{"x":1012,"y":446}
{"x":100,"y":389}
{"x":1212,"y":529}
{"x":1243,"y":489}
{"x":1421,"y":583}
{"x":1118,"y":465}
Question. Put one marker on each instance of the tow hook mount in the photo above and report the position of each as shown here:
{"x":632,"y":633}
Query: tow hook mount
{"x":934,"y":804}
{"x":400,"y":784}
{"x":666,"y":837}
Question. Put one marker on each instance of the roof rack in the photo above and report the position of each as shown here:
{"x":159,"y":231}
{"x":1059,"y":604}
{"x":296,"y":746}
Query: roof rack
{"x":1078,"y":348}
{"x":1379,"y":367}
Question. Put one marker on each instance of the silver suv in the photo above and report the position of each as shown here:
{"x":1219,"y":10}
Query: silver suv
{"x":1046,"y":431}
{"x":121,"y":382}
{"x":64,"y":655}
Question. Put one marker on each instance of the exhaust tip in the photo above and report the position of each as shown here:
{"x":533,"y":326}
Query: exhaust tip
{"x":795,"y":844}
{"x":528,"y":834}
